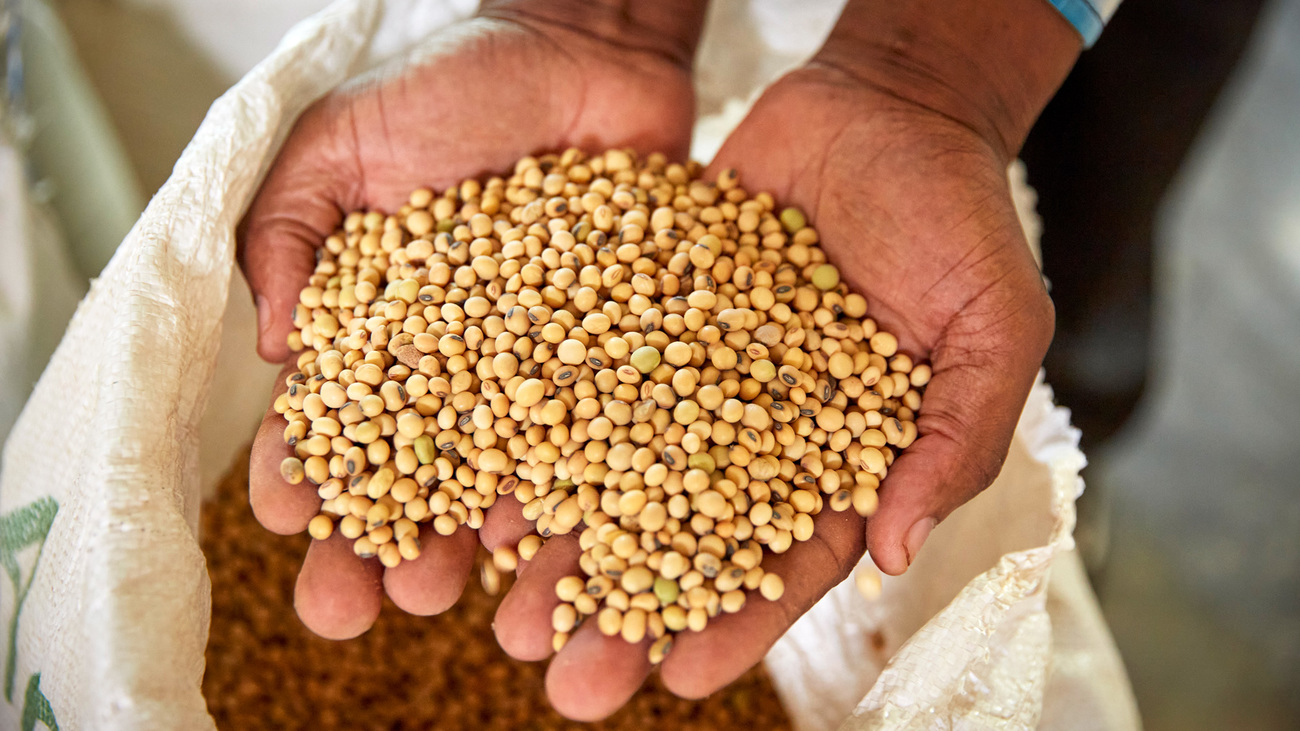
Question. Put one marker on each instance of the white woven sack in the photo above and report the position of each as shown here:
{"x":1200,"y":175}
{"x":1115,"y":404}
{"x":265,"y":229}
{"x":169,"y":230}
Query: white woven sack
{"x":107,"y":599}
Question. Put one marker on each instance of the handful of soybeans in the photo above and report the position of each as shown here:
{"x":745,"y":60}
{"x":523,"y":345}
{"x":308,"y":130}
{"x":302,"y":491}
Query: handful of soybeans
{"x":667,"y":367}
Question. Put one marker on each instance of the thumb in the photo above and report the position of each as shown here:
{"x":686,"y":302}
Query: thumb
{"x":983,"y":370}
{"x":297,"y":207}
{"x":278,"y":258}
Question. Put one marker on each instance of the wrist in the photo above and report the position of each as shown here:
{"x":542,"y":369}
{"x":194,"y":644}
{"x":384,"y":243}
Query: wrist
{"x":992,"y":66}
{"x":667,"y":28}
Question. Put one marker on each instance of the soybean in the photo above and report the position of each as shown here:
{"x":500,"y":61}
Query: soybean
{"x":668,"y":368}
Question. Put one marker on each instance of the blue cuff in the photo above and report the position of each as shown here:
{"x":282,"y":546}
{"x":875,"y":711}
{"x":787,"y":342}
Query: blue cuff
{"x":1084,"y":16}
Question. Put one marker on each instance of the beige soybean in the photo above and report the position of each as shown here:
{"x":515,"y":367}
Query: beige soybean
{"x":668,"y":368}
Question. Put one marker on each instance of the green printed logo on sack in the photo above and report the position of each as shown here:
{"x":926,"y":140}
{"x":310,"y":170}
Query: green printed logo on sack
{"x":20,"y":530}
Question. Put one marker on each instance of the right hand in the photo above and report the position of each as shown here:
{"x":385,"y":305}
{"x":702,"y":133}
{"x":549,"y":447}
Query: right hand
{"x":519,"y":78}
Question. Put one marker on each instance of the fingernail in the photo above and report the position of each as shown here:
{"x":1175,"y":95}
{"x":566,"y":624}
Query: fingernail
{"x":916,"y":536}
{"x":263,"y":315}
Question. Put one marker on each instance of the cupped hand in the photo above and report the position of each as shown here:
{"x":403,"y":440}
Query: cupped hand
{"x":915,"y":209}
{"x":518,"y":79}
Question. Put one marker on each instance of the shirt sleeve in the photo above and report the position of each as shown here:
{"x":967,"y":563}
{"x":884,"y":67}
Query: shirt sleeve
{"x":1088,"y":17}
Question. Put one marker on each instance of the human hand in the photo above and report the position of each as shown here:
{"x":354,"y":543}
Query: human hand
{"x":519,"y":78}
{"x":905,"y":180}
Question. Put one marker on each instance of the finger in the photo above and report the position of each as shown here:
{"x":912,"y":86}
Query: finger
{"x":297,"y":207}
{"x":433,"y":582}
{"x":338,"y":594}
{"x":968,"y":416}
{"x":762,"y":135}
{"x":280,"y":507}
{"x":703,"y":662}
{"x":523,"y":621}
{"x":594,"y":675}
{"x":504,"y":524}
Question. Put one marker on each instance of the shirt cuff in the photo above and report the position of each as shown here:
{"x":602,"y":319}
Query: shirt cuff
{"x":1085,"y":16}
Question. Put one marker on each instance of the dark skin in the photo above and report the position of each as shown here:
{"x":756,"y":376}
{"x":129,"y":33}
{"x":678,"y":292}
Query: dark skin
{"x":895,"y":139}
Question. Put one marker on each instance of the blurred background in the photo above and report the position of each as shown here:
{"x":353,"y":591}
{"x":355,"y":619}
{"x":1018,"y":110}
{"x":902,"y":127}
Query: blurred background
{"x":1168,"y":174}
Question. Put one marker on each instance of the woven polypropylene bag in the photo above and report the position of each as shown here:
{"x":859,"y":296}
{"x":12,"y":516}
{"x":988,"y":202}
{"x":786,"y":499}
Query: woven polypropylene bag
{"x":106,"y":597}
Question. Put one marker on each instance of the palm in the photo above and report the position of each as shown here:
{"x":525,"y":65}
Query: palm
{"x":457,"y":114}
{"x":911,"y":206}
{"x":491,"y":91}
